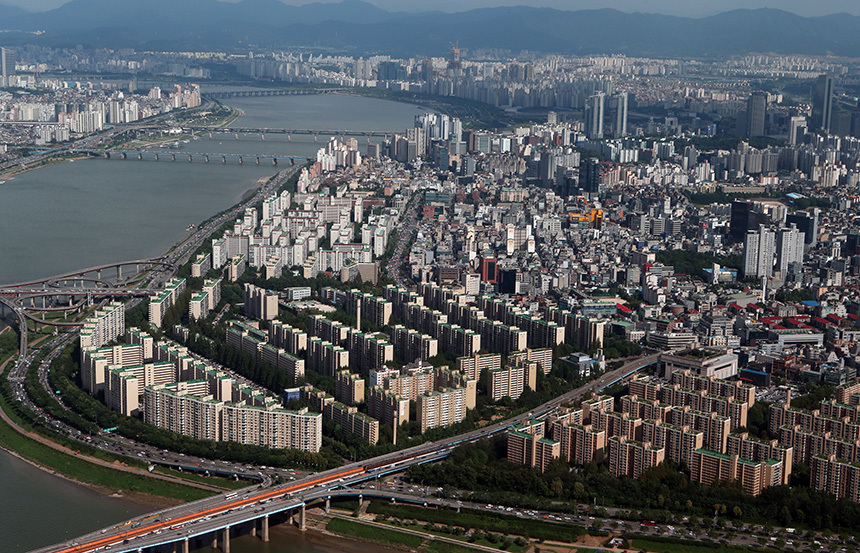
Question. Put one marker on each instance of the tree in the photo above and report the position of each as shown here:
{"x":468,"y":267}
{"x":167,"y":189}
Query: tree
{"x":556,"y":487}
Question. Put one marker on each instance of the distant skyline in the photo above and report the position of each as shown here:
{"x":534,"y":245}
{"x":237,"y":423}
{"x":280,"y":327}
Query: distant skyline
{"x":688,"y":8}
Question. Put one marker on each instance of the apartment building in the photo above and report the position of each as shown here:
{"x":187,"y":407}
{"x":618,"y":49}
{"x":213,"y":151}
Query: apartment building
{"x":442,"y":407}
{"x":104,"y":326}
{"x":260,"y":303}
{"x":528,"y":446}
{"x":632,"y":458}
{"x":350,"y":388}
{"x":353,"y":422}
{"x":284,"y":336}
{"x":710,"y":467}
{"x":159,"y":303}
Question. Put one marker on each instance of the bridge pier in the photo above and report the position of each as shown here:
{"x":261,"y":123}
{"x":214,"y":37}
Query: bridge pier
{"x":205,"y":157}
{"x":302,"y":523}
{"x":124,"y":155}
{"x":107,"y":155}
{"x":156,"y":157}
{"x":264,"y":528}
{"x":186,"y":547}
{"x":241,"y":160}
{"x":225,"y":546}
{"x":223,"y":159}
{"x":262,"y":136}
{"x":236,"y":136}
{"x":119,"y":272}
{"x":327,"y":504}
{"x":189,"y":159}
{"x":172,"y":157}
{"x":139,"y":155}
{"x":289,"y":137}
{"x":274,"y":161}
{"x":258,"y":160}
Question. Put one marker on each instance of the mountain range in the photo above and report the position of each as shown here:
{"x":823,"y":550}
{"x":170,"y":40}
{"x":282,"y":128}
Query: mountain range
{"x":358,"y":27}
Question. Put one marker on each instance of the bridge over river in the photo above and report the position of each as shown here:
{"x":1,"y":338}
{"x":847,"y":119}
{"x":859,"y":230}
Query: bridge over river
{"x":169,"y":155}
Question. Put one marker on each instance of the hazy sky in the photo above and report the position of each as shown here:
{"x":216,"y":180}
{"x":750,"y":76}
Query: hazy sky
{"x":678,"y":7}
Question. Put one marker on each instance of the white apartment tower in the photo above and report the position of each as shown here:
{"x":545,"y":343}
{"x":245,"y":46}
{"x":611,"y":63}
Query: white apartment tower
{"x":760,"y":252}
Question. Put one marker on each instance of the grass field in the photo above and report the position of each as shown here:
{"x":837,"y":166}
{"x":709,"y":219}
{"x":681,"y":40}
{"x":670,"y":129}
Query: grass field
{"x":83,"y":471}
{"x":227,"y":483}
{"x":372,"y":533}
{"x":442,"y":547}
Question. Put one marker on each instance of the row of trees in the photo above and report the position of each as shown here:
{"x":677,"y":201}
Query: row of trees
{"x":483,"y":468}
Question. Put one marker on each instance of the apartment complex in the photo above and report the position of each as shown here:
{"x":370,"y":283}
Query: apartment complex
{"x":826,"y":438}
{"x":176,"y":391}
{"x":690,"y":419}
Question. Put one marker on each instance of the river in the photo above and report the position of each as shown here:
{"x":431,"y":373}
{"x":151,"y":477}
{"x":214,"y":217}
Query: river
{"x":80,"y":214}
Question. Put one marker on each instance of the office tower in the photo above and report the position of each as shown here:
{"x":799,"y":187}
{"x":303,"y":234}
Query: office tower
{"x":822,"y":103}
{"x":546,"y":169}
{"x":594,"y":116}
{"x":589,"y":175}
{"x":796,"y":129}
{"x":4,"y":72}
{"x":756,"y":110}
{"x":744,"y":218}
{"x":759,"y":253}
{"x":551,"y":118}
{"x":789,"y":248}
{"x":807,"y":223}
{"x":620,"y":115}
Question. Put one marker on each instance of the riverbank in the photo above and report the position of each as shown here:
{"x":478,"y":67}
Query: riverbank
{"x":20,"y":170}
{"x":103,"y":477}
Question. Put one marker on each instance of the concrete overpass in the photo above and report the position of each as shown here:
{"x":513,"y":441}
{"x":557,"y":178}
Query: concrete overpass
{"x":137,"y":263}
{"x":212,"y":518}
